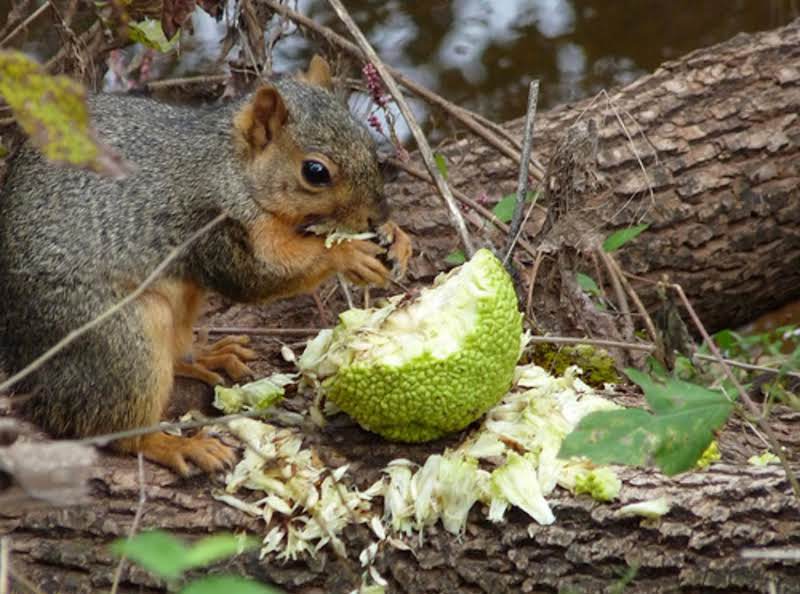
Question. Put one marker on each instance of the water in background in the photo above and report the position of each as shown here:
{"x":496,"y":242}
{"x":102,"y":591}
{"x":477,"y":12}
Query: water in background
{"x":483,"y":53}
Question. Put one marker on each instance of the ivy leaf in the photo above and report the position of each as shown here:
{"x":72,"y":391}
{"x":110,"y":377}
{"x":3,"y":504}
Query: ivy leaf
{"x":587,"y":284}
{"x":619,"y":238}
{"x":156,"y":551}
{"x":455,"y":258}
{"x":441,"y":164}
{"x":52,"y":111}
{"x":225,"y":583}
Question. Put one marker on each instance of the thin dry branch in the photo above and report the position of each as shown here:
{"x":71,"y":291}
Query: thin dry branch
{"x":26,"y":23}
{"x":291,"y":332}
{"x":135,"y":294}
{"x":523,"y":180}
{"x":422,"y":143}
{"x":463,"y":198}
{"x":5,"y":555}
{"x":137,"y":518}
{"x":751,"y":407}
{"x":747,"y":366}
{"x":600,"y":342}
{"x":205,"y":79}
{"x":14,"y":16}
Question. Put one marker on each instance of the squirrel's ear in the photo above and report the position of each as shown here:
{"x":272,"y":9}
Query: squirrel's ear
{"x":260,"y":120}
{"x":319,"y":73}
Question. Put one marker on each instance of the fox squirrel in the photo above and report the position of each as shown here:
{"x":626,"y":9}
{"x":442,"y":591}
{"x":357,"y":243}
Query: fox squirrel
{"x":72,"y":244}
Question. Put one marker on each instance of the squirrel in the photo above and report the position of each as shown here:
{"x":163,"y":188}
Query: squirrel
{"x":287,"y":156}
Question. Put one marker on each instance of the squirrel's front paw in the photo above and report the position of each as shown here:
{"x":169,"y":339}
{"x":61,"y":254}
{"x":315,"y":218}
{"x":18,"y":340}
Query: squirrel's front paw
{"x":399,"y":243}
{"x":358,"y":261}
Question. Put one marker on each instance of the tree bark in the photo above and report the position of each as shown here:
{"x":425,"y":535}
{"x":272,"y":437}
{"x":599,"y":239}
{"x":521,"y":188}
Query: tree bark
{"x":723,"y":214}
{"x":709,"y":156}
{"x":696,"y":547}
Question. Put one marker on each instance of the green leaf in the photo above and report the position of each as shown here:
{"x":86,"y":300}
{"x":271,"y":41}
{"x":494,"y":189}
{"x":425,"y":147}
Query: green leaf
{"x":441,"y":164}
{"x":220,"y":546}
{"x":52,"y":111}
{"x":726,"y":339}
{"x":675,"y":437}
{"x":218,"y":584}
{"x":150,"y":34}
{"x":455,"y":258}
{"x":504,"y":209}
{"x":156,"y":551}
{"x":612,"y":437}
{"x":618,"y":239}
{"x":587,"y":284}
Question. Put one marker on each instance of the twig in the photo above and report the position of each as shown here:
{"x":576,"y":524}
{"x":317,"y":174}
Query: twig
{"x":522,"y":180}
{"x":14,"y":16}
{"x":616,"y":272}
{"x":24,"y":24}
{"x":471,"y":121}
{"x":600,"y":342}
{"x":422,"y":143}
{"x":73,"y":335}
{"x":5,"y":556}
{"x":748,"y":366}
{"x":531,"y":282}
{"x":82,"y":39}
{"x":189,"y":80}
{"x":134,"y":526}
{"x":263,"y":331}
{"x":616,"y":284}
{"x":105,"y":439}
{"x":748,"y":402}
{"x":348,"y":296}
{"x":463,"y":198}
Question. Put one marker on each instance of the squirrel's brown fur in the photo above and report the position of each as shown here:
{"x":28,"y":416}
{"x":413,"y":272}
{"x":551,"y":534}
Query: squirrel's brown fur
{"x":72,"y":244}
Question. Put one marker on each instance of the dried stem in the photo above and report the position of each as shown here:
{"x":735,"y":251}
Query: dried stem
{"x":523,"y":179}
{"x":600,"y":342}
{"x":137,"y":517}
{"x":277,"y":332}
{"x":5,"y":556}
{"x":422,"y":143}
{"x":747,"y":366}
{"x":463,"y":198}
{"x":190,"y":80}
{"x":24,"y":24}
{"x":77,"y":333}
{"x":748,"y":402}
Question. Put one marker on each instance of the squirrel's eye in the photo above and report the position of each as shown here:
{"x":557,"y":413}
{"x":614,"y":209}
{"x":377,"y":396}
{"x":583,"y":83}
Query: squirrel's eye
{"x":316,"y":173}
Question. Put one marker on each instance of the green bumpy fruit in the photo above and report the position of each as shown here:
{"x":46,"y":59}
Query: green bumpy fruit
{"x":416,"y":371}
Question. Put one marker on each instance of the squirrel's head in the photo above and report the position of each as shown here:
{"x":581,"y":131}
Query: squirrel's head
{"x":308,"y":159}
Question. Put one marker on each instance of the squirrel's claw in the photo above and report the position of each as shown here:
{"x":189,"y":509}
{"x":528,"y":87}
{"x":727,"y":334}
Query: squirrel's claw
{"x":399,"y":243}
{"x":226,"y":354}
{"x":175,"y":452}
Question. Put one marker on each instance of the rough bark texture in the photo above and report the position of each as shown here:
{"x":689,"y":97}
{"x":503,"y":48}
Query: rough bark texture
{"x":695,"y":548}
{"x":718,"y":135}
{"x":724,"y":214}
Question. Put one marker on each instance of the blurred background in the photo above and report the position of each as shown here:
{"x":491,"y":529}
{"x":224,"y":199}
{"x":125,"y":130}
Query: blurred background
{"x":483,"y":53}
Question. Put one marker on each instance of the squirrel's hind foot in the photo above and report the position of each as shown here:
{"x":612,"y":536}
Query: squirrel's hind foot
{"x":174,"y":452}
{"x":228,"y":354}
